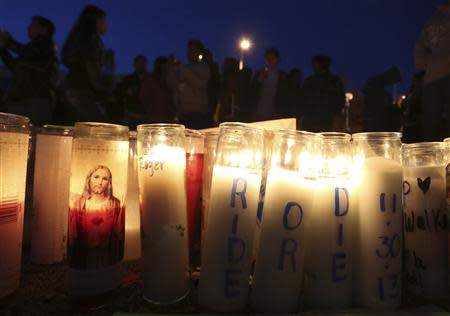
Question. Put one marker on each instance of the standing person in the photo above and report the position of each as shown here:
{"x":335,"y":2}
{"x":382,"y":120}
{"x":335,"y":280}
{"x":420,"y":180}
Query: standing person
{"x":86,"y":88}
{"x":229,"y":91}
{"x":190,"y":83}
{"x":128,"y":91}
{"x":269,"y":89}
{"x":213,"y":82}
{"x":294,"y":85}
{"x":412,"y":108}
{"x":35,"y":69}
{"x":155,"y":96}
{"x":378,"y":102}
{"x":323,"y":96}
{"x":432,"y":55}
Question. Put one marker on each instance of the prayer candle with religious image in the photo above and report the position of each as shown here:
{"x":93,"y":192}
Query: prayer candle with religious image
{"x":162,"y":189}
{"x":194,"y":170}
{"x":278,"y":277}
{"x":132,"y":215}
{"x":426,"y":221}
{"x":228,"y":245}
{"x":96,"y":224}
{"x":329,"y":230}
{"x":51,"y":194}
{"x":377,"y":260}
{"x":14,"y":130}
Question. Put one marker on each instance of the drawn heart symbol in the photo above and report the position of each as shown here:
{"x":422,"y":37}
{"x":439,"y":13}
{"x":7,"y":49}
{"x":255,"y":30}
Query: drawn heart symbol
{"x":424,"y":185}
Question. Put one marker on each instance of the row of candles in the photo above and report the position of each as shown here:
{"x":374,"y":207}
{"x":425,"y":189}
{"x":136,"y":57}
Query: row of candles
{"x":327,"y":218}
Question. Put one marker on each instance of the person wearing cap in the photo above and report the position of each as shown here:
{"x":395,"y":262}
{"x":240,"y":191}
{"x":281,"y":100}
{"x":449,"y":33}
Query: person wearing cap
{"x":322,"y":97}
{"x":35,"y":69}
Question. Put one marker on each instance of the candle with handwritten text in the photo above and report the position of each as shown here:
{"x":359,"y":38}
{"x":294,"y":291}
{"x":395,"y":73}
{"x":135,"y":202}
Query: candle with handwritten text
{"x":280,"y":261}
{"x":377,"y":263}
{"x":228,"y":245}
{"x":425,"y":220}
{"x":329,"y":230}
{"x":14,"y":131}
{"x":162,"y":189}
{"x":447,"y":181}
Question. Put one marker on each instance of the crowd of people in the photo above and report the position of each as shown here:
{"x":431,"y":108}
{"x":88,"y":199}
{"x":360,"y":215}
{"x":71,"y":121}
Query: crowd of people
{"x":200,"y":95}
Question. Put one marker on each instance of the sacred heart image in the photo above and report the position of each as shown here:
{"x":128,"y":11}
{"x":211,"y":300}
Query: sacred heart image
{"x":424,"y":185}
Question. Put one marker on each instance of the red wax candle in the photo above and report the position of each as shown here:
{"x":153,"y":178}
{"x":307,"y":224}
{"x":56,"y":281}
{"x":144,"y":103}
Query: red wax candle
{"x":194,"y":170}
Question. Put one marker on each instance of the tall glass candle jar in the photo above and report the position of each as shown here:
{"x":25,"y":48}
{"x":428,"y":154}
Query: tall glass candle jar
{"x":447,"y":181}
{"x":426,"y":220}
{"x":288,"y":203}
{"x":132,"y":215}
{"x":51,"y":194}
{"x":162,"y":189}
{"x":227,"y":256}
{"x":14,"y":131}
{"x":329,"y":230}
{"x":209,"y":158}
{"x":96,"y":230}
{"x":377,"y":263}
{"x":194,"y":168}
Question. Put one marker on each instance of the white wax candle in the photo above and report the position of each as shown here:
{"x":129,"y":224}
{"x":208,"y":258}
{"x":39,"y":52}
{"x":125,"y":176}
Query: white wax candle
{"x":426,"y":227}
{"x":377,"y":263}
{"x":329,"y":245}
{"x":13,"y":167}
{"x":227,"y":256}
{"x":162,"y":187}
{"x":50,"y":198}
{"x":279,"y":266}
{"x":132,"y":215}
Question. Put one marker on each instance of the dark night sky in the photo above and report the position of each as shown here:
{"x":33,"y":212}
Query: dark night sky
{"x":363,"y":36}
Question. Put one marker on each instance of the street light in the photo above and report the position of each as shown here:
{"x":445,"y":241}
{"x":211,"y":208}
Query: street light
{"x":244,"y":46}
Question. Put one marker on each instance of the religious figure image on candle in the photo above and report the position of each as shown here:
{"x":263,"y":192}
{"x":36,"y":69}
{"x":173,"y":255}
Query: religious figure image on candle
{"x":96,"y":223}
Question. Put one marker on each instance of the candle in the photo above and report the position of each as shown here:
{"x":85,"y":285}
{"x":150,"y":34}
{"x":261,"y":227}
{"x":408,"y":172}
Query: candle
{"x":208,"y":164}
{"x":377,"y":263}
{"x":162,"y":189}
{"x":14,"y":131}
{"x":194,"y":169}
{"x":96,"y":230}
{"x":132,"y":215}
{"x":288,"y":202}
{"x":447,"y":181}
{"x":51,"y":194}
{"x":227,"y":256}
{"x":329,"y":230}
{"x":426,"y":220}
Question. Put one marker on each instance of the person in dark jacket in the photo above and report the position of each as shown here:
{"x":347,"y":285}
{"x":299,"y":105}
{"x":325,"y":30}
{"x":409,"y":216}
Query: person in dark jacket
{"x":269,"y":89}
{"x":412,"y":111}
{"x":323,"y":97}
{"x":86,"y":88}
{"x":378,"y":103}
{"x":35,"y":69}
{"x":128,"y":90}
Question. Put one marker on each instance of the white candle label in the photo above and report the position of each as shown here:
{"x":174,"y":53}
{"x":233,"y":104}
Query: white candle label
{"x":226,"y":261}
{"x":279,"y":264}
{"x":426,"y":227}
{"x":162,"y":189}
{"x":96,"y":209}
{"x":377,"y":265}
{"x":330,"y":231}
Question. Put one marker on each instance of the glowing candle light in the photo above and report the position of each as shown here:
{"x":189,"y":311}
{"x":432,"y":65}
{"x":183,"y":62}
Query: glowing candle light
{"x":96,"y":222}
{"x":162,"y":189}
{"x":14,"y":131}
{"x":426,"y":220}
{"x":288,"y":203}
{"x":330,"y":229}
{"x":51,"y":194}
{"x":377,"y":263}
{"x":227,"y":256}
